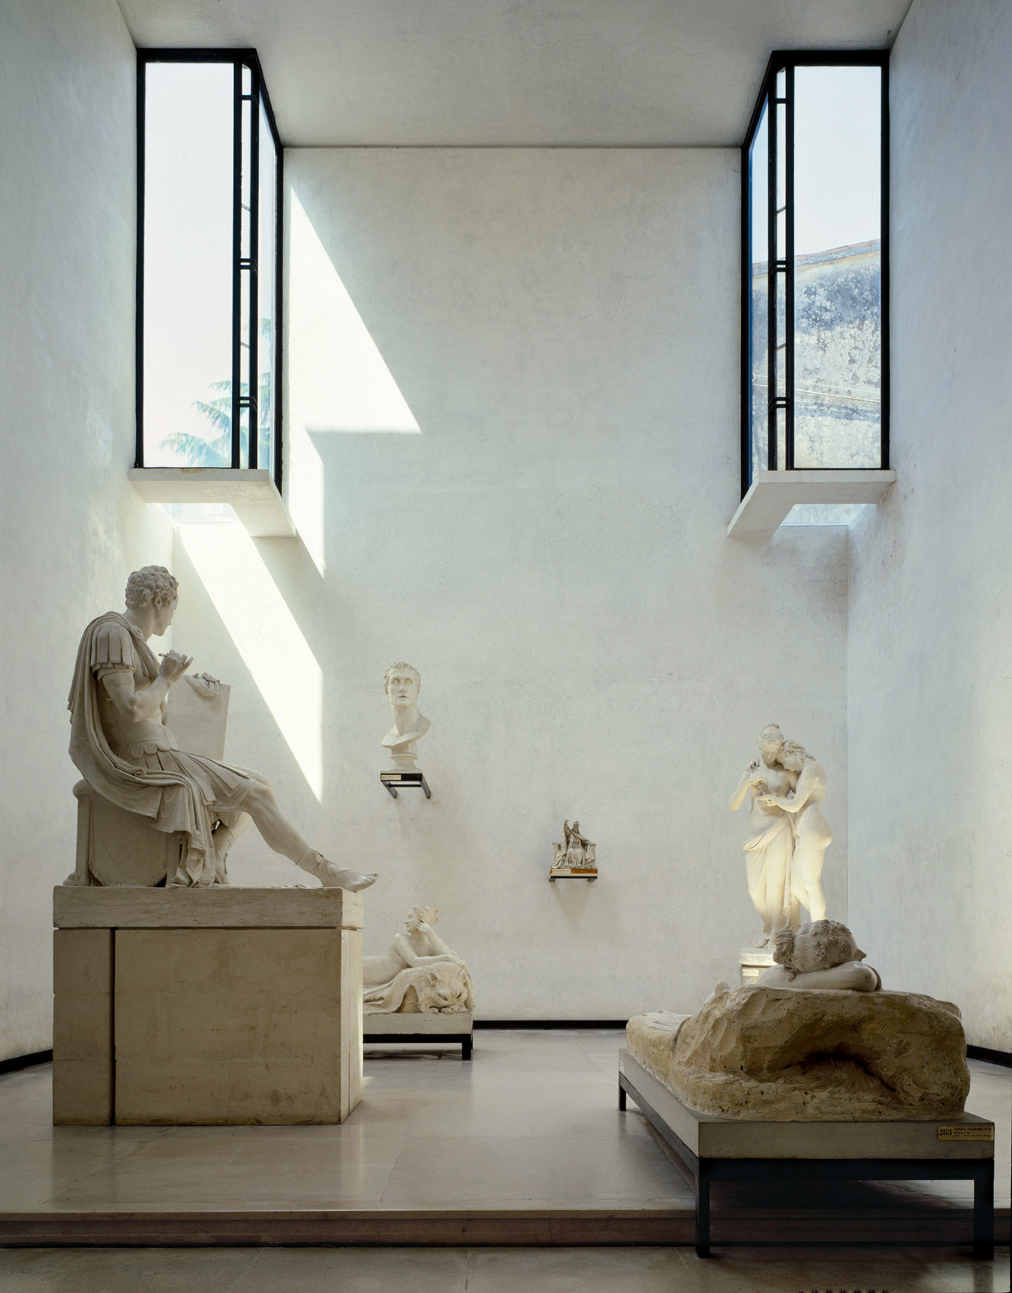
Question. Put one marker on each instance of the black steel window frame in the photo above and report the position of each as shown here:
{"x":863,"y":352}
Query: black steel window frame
{"x":239,"y":58}
{"x":781,"y":260}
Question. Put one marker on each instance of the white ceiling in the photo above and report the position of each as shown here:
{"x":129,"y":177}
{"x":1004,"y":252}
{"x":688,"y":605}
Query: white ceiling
{"x":486,"y":72}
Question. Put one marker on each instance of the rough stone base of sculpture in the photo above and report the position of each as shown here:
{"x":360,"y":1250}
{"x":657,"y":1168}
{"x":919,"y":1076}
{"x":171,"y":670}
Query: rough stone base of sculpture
{"x":783,"y":1055}
{"x":440,"y":989}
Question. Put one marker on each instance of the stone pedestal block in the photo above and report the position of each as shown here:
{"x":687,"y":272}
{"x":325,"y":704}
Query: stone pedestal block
{"x":82,"y":1027}
{"x":752,"y":963}
{"x":228,"y":1006}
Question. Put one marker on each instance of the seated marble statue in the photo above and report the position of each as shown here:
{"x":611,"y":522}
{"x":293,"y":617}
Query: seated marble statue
{"x":124,"y":751}
{"x":823,"y":954}
{"x":419,"y":974}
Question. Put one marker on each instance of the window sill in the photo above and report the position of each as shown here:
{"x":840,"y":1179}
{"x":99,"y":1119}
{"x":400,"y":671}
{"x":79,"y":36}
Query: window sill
{"x":252,"y":495}
{"x":773,"y":493}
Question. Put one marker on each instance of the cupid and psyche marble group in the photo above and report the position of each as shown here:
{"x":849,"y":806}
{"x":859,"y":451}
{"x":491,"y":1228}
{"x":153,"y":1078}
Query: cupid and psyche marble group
{"x":788,"y":834}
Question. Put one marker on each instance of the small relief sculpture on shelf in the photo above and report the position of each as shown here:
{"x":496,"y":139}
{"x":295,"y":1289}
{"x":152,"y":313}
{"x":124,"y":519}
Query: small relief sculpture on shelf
{"x":152,"y":813}
{"x":402,"y":682}
{"x":419,"y":974}
{"x":573,"y":855}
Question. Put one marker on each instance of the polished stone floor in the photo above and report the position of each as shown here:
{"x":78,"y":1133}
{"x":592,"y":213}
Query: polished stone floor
{"x":531,"y":1122}
{"x":496,"y":1270}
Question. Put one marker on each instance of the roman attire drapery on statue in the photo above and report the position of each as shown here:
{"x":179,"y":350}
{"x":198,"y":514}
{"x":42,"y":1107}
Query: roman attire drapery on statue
{"x":119,"y":741}
{"x":176,"y":790}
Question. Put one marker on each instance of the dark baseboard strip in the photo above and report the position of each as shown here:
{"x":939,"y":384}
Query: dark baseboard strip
{"x":550,"y":1023}
{"x":25,"y":1061}
{"x":472,"y":1227}
{"x":992,"y":1057}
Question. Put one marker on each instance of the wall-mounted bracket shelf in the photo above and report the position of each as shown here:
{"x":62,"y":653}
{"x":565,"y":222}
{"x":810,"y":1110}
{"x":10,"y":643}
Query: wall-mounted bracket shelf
{"x":554,"y":875}
{"x":252,"y":494}
{"x":772,"y":494}
{"x":394,"y":781}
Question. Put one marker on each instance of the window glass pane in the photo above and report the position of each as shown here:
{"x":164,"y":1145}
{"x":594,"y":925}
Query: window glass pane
{"x":188,"y":265}
{"x":760,"y":294}
{"x":838,"y":280}
{"x":266,"y":282}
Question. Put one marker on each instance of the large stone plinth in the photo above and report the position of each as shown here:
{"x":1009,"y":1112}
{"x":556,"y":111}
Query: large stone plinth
{"x":788,"y":1055}
{"x":206,"y":1006}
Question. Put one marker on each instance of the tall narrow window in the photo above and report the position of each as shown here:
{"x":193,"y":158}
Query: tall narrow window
{"x":815,"y":265}
{"x":208,"y":237}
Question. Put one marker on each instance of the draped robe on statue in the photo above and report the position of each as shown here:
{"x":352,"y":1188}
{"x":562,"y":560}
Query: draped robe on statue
{"x":768,"y":864}
{"x":176,"y":790}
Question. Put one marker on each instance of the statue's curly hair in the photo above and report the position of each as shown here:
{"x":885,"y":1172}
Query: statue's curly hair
{"x":834,"y":945}
{"x":401,"y":664}
{"x":429,"y":914}
{"x":151,"y":584}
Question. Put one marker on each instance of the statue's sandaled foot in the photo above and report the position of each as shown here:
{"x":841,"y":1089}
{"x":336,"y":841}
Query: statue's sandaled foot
{"x":353,"y":880}
{"x":334,"y":877}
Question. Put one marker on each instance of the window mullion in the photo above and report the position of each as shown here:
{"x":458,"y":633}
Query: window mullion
{"x":237,"y":265}
{"x":254,"y":252}
{"x":771,"y":310}
{"x":789,"y":270}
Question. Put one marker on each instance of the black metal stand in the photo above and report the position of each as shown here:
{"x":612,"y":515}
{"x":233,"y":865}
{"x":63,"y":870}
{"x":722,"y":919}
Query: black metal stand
{"x":706,"y":1170}
{"x":394,"y":781}
{"x":391,"y":1039}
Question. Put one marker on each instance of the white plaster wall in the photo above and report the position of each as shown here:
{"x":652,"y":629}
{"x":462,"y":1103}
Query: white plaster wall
{"x":547,"y":547}
{"x":70,"y":527}
{"x":930,"y":669}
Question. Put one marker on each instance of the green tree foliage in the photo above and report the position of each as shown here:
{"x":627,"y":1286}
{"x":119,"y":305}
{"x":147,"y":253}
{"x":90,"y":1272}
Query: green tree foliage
{"x":215,"y":449}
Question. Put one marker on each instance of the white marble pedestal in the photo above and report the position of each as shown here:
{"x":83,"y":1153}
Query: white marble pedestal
{"x":206,"y":1006}
{"x":407,"y":1026}
{"x":752,"y":962}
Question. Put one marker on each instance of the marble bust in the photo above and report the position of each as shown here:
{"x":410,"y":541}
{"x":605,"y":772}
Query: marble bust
{"x":823,"y":954}
{"x":402,"y":683}
{"x":418,"y":973}
{"x":127,"y":755}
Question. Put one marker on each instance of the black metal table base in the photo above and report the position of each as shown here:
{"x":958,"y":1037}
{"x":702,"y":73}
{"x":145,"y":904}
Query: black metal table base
{"x":707,"y":1170}
{"x":463,"y":1040}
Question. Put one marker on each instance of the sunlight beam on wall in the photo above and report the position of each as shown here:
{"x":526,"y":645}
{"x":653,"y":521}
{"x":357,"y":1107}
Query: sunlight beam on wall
{"x":306,"y":492}
{"x":338,"y":379}
{"x":265,"y":635}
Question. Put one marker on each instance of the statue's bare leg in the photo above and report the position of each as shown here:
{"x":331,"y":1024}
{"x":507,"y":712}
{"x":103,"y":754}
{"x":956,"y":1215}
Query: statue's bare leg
{"x":281,"y":836}
{"x":223,"y":837}
{"x":809,"y":868}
